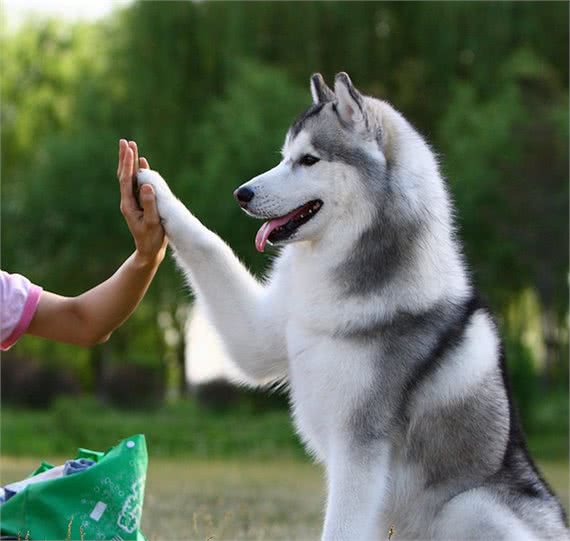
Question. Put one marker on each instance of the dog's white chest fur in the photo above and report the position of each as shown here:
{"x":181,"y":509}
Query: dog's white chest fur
{"x":327,"y":375}
{"x":327,"y":378}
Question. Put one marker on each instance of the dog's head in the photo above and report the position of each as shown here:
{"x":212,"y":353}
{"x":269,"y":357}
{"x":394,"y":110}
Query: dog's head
{"x":333,"y":157}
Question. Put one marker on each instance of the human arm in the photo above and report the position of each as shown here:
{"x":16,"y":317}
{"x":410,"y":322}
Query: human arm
{"x":91,"y":317}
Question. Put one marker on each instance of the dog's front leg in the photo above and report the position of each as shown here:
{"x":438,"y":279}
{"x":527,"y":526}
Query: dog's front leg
{"x":248,"y":316}
{"x":357,"y":479}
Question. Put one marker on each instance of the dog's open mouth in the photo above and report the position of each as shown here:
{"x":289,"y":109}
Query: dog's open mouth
{"x":278,"y":229}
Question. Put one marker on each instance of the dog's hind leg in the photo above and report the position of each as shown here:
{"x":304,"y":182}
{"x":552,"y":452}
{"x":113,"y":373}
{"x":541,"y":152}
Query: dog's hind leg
{"x":478,"y":514}
{"x":248,"y":317}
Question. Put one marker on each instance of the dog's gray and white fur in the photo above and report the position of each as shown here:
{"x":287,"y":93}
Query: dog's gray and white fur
{"x":395,"y":367}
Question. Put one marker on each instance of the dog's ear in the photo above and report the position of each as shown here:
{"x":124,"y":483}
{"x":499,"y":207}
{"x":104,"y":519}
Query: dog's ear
{"x":350,"y":105}
{"x":319,"y":90}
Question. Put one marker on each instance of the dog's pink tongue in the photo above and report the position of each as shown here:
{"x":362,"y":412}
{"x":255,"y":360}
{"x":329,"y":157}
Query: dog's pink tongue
{"x":266,"y":229}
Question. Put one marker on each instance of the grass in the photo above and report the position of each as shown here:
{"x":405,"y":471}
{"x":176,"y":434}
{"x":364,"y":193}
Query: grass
{"x":185,"y":429}
{"x":231,"y":499}
{"x":238,"y":499}
{"x":235,"y":474}
{"x":181,"y":429}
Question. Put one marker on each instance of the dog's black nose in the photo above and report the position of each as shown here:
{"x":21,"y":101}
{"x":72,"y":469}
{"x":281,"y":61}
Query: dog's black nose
{"x":243,"y":195}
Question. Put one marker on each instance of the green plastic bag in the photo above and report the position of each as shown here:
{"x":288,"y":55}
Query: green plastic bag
{"x":102,"y":502}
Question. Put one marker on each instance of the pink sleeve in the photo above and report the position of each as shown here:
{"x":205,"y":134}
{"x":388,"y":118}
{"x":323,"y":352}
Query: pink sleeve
{"x":19,"y":299}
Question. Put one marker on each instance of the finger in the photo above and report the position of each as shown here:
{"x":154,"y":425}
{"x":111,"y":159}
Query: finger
{"x":135,"y":150}
{"x":143,"y":164}
{"x":148,"y":202}
{"x":128,"y":203}
{"x":120,"y":161}
{"x":122,"y":148}
{"x":134,"y":147}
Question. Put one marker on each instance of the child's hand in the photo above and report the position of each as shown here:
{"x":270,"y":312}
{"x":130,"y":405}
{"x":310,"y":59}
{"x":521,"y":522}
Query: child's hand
{"x":144,"y":223}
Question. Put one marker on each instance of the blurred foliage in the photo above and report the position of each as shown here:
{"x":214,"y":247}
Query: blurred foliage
{"x":31,"y":384}
{"x":208,"y":89}
{"x":509,"y":171}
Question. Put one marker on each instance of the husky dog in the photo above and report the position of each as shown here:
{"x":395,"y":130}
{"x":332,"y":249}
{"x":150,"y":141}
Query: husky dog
{"x":395,"y":367}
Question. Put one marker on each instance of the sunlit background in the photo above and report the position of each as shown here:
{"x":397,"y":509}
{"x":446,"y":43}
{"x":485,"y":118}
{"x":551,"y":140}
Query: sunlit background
{"x":208,"y":90}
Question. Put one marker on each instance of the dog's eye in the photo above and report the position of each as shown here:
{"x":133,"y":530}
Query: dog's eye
{"x":308,"y":160}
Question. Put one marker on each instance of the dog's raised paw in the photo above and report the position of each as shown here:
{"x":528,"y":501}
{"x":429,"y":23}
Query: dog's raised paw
{"x":148,"y":176}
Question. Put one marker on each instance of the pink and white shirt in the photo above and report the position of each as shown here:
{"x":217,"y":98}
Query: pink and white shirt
{"x":19,"y":299}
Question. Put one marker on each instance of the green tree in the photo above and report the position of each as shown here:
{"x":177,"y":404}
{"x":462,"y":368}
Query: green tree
{"x":208,"y":89}
{"x":509,"y":171}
